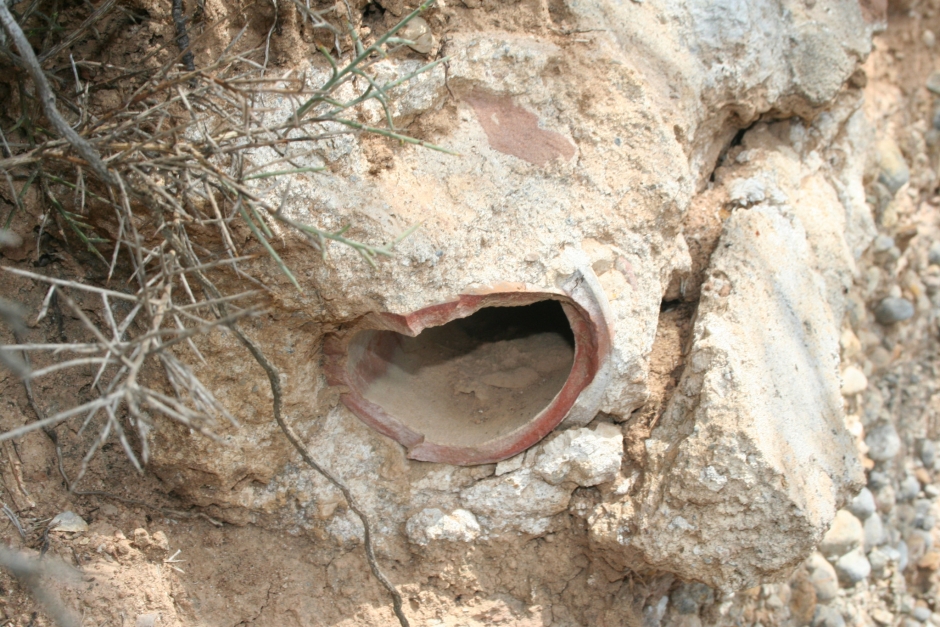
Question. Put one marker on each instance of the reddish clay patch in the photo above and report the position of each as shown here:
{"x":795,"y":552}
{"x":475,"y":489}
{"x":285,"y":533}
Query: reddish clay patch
{"x":514,"y":131}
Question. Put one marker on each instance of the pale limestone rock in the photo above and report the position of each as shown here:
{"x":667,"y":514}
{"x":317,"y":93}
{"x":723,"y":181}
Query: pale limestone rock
{"x":509,"y":465}
{"x":874,"y":532}
{"x":755,"y":439}
{"x":863,"y":505}
{"x":68,"y":522}
{"x":432,"y":524}
{"x":518,"y":501}
{"x":586,"y":457}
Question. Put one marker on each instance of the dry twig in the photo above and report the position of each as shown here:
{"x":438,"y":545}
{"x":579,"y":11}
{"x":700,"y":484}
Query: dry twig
{"x":190,"y":156}
{"x":46,"y":97}
{"x":299,"y":446}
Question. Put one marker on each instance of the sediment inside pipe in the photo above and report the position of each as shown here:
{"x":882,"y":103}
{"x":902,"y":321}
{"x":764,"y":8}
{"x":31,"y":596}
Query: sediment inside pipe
{"x":473,"y":379}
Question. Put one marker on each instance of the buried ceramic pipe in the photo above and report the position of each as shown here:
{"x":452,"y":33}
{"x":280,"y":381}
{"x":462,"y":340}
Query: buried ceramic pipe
{"x":480,"y":378}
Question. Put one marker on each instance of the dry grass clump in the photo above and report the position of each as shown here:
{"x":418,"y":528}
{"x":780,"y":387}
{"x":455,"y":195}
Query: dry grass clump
{"x":139,"y":187}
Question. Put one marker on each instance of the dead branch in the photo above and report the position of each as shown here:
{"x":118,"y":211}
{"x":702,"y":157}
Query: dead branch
{"x":189,"y":148}
{"x":291,"y":435}
{"x":47,"y":98}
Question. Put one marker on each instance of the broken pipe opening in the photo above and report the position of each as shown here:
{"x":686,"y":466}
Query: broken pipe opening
{"x":472,"y":381}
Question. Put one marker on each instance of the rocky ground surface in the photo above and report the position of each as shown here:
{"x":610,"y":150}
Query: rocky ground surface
{"x":578,"y":531}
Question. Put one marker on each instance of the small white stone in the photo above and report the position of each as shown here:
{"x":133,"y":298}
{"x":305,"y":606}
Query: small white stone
{"x":509,"y":465}
{"x":432,"y":524}
{"x":882,"y":616}
{"x":921,"y":613}
{"x":854,"y":381}
{"x":929,"y":39}
{"x":146,"y":620}
{"x":587,"y":457}
{"x":874,"y":531}
{"x":746,"y":192}
{"x":69,"y":522}
{"x":883,"y":442}
{"x":863,"y":505}
{"x":518,"y":500}
{"x":850,"y":344}
{"x":853,"y":567}
{"x":712,"y":479}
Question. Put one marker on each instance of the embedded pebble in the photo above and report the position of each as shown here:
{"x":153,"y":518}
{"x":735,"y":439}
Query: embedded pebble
{"x":880,"y":358}
{"x":419,"y":32}
{"x":933,"y":255}
{"x":432,"y":524}
{"x":922,"y":516}
{"x":918,"y":543}
{"x":930,"y":561}
{"x":885,"y":498}
{"x":854,"y":381}
{"x":689,"y":597}
{"x":928,"y":38}
{"x":883,"y":442}
{"x":928,"y":452}
{"x":803,"y":600}
{"x":878,"y":479}
{"x":891,"y":310}
{"x":874,"y":532}
{"x":908,"y":489}
{"x":902,"y":556}
{"x":69,"y":522}
{"x":863,"y":505}
{"x":823,"y":577}
{"x":925,"y":520}
{"x":921,"y":613}
{"x":933,"y":83}
{"x":853,"y":567}
{"x":879,"y":561}
{"x":882,"y":243}
{"x":827,"y":616}
{"x":845,"y":534}
{"x":894,"y":171}
{"x":774,"y":602}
